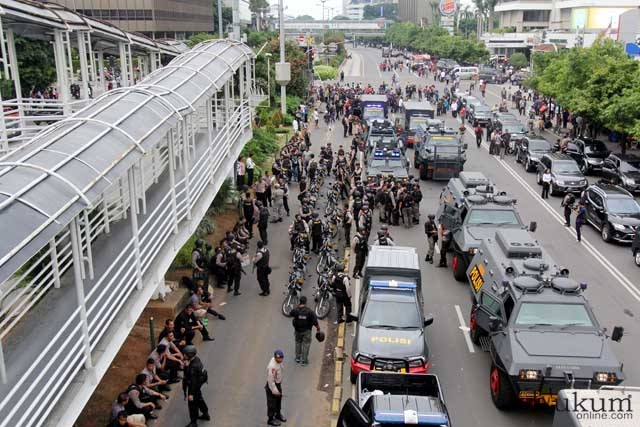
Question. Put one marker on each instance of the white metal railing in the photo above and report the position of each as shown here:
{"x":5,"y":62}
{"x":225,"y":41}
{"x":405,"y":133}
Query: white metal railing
{"x":64,"y":355}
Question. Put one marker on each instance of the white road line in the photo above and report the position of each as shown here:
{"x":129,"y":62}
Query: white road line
{"x":465,"y":329}
{"x":599,"y":257}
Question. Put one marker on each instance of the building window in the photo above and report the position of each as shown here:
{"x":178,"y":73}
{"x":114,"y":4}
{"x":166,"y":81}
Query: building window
{"x":536,"y":15}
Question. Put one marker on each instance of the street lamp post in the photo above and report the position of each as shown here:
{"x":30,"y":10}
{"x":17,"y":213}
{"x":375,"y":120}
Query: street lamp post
{"x":323,"y":23}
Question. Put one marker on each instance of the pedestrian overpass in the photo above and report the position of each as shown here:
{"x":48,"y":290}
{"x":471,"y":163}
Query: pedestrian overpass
{"x":93,"y":209}
{"x":351,"y":29}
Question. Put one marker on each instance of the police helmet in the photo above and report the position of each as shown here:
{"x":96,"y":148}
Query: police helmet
{"x":381,"y":233}
{"x":339,"y":268}
{"x":431,"y":216}
{"x":259,"y":204}
{"x":298,"y":217}
{"x":208,"y":246}
{"x":384,"y":227}
{"x":316,"y":214}
{"x":320,"y":336}
{"x":199,"y":243}
{"x":362,"y":229}
{"x":190,"y":351}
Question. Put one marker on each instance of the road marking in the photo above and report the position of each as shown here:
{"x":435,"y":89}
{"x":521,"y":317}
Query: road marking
{"x":465,"y":329}
{"x":617,"y":274}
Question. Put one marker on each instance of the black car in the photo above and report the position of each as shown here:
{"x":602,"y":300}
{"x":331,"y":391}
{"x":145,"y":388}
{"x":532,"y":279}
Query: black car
{"x":516,"y":129}
{"x":612,"y":210}
{"x":623,"y":169}
{"x":566,"y":176}
{"x":479,"y":113}
{"x":589,"y":153}
{"x":492,"y":76}
{"x":635,"y":247}
{"x":530,"y":151}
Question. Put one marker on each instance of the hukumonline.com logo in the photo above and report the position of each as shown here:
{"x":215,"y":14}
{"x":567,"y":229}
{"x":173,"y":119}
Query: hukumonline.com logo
{"x":596,"y":408}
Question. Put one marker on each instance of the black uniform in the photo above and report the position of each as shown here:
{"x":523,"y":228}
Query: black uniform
{"x":361,"y":249}
{"x":195,"y":376}
{"x":247,"y":211}
{"x":343,"y":300}
{"x":263,"y":270}
{"x":234,"y":271}
{"x":316,"y":234}
{"x":263,"y":222}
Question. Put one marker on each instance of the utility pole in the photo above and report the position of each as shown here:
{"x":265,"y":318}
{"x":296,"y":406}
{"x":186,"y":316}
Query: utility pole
{"x":283,"y":69}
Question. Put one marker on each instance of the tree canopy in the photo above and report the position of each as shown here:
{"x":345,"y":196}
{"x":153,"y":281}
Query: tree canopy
{"x":304,"y":18}
{"x":518,"y":60}
{"x":436,"y":41}
{"x":600,"y":83}
{"x":341,"y":18}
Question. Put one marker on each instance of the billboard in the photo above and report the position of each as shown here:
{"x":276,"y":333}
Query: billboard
{"x":596,"y":18}
{"x":447,"y":7}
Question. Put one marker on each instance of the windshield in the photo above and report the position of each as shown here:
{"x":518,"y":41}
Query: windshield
{"x":594,"y":147}
{"x":630,"y":166}
{"x":373,"y":111}
{"x":514,"y":128}
{"x":623,"y":206}
{"x":377,"y":163}
{"x":553,"y":314}
{"x":386,"y":141}
{"x":538,"y":145}
{"x":568,"y":167}
{"x":492,"y":217}
{"x":482,"y":111}
{"x":386,"y":309}
{"x":416,"y":121}
{"x":443,"y":140}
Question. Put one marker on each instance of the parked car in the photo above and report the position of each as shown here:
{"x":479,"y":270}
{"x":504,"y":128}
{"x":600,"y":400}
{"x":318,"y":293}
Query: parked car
{"x":612,"y":210}
{"x":566,"y":176}
{"x":635,"y":247}
{"x":530,"y":151}
{"x":589,"y":153}
{"x":623,"y":169}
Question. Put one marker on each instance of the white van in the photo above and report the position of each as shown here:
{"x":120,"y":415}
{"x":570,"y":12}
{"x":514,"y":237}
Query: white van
{"x":465,"y":73}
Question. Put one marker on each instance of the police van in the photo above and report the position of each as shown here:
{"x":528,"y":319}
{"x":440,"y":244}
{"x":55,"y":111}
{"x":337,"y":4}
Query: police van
{"x":388,"y":163}
{"x":390,"y":335}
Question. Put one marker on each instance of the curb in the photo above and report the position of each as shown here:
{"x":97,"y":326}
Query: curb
{"x":336,"y":401}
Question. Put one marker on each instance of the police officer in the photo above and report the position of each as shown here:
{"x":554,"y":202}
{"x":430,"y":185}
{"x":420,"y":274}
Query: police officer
{"x":361,"y":249}
{"x":365,"y":220}
{"x":357,"y":203}
{"x":195,"y":376}
{"x":274,"y":389}
{"x":347,"y":219}
{"x":317,"y":228}
{"x":341,"y":289}
{"x":304,"y":319}
{"x":567,"y":203}
{"x":234,"y":270}
{"x":248,"y":211}
{"x":261,"y":264}
{"x":431,"y":230}
{"x":417,"y":198}
{"x":383,"y":239}
{"x":263,"y":221}
{"x":444,"y":246}
{"x":219,"y":265}
{"x":198,"y":262}
{"x":305,"y":211}
{"x":406,"y":207}
{"x":298,"y":226}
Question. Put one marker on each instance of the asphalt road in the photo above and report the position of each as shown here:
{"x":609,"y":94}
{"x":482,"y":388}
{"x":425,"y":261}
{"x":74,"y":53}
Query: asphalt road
{"x":255,"y":327}
{"x":612,"y":277}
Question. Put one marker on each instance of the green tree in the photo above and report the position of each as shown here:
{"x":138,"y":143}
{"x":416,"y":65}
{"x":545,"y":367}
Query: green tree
{"x":227,"y":16}
{"x":518,"y":60}
{"x":256,"y":6}
{"x":341,"y":18}
{"x":36,"y":64}
{"x":199,"y":38}
{"x":304,"y":18}
{"x":389,"y":11}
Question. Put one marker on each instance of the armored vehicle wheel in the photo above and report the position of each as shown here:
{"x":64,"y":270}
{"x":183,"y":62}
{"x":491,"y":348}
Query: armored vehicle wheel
{"x":423,"y":172}
{"x":459,"y":266}
{"x":474,"y":331}
{"x":502,"y":393}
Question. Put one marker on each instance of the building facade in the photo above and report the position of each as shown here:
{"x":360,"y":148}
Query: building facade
{"x":629,"y":27}
{"x":419,"y":12}
{"x":529,"y":15}
{"x":176,"y":19}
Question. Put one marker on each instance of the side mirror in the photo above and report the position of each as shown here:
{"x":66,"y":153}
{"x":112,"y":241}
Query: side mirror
{"x":494,"y":324}
{"x":428,"y":319}
{"x":533,"y":226}
{"x":618,"y":332}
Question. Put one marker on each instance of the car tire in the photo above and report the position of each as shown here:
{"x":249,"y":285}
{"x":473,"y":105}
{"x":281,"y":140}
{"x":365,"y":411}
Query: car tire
{"x":474,"y":332}
{"x":518,"y":159}
{"x":423,"y":172}
{"x":605,"y":233}
{"x":353,"y":377}
{"x":459,"y":267}
{"x":539,"y":178}
{"x":552,"y":190}
{"x":636,"y":257}
{"x":502,"y":393}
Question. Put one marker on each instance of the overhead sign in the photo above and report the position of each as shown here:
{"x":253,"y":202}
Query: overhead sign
{"x":447,"y":7}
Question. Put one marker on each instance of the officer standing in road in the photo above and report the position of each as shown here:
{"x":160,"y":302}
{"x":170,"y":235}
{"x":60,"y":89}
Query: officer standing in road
{"x":234,"y":271}
{"x":360,"y":247}
{"x":263,"y":221}
{"x":274,"y":389}
{"x":195,"y":376}
{"x":444,"y":247}
{"x":304,"y":319}
{"x":581,"y":218}
{"x":341,"y":288}
{"x":317,"y":227}
{"x":383,"y":239}
{"x":567,"y":203}
{"x":261,"y":264}
{"x":431,"y":230}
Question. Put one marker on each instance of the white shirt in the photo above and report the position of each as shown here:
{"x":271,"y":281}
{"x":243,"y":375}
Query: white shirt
{"x":249,"y":163}
{"x":546,"y":177}
{"x":274,"y":375}
{"x":295,"y":126}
